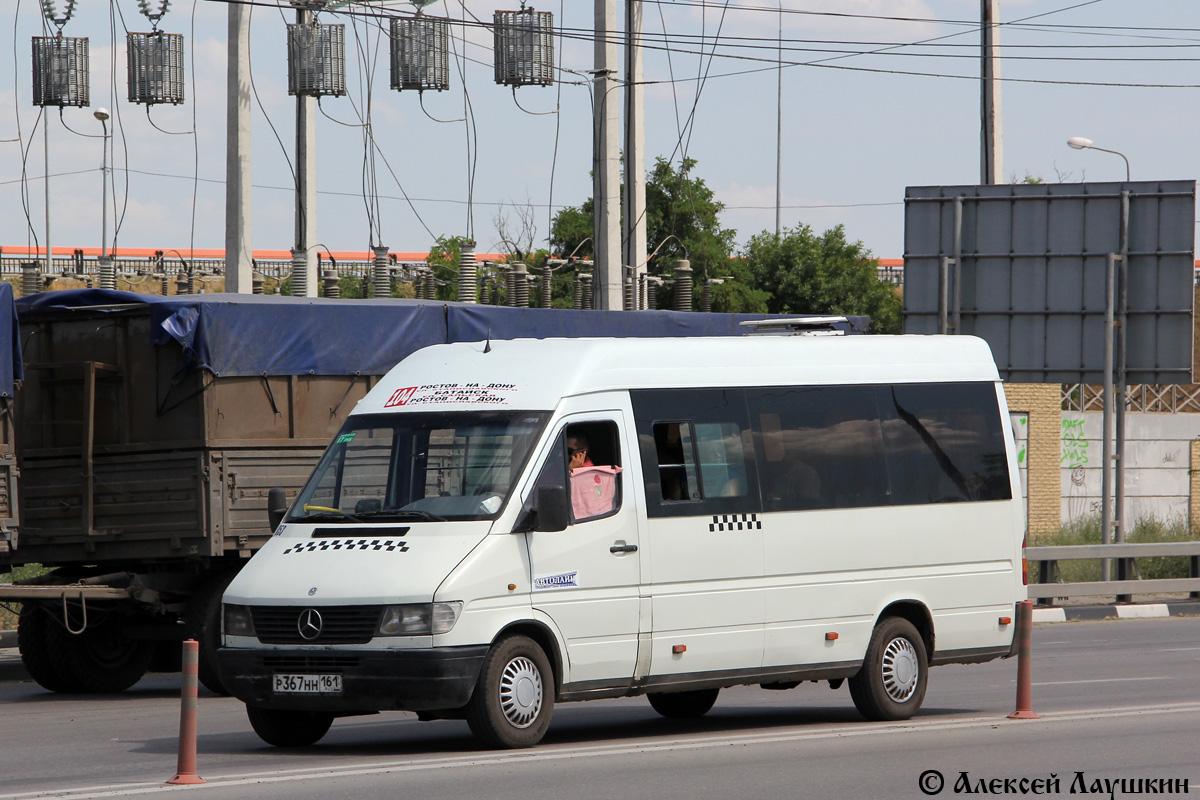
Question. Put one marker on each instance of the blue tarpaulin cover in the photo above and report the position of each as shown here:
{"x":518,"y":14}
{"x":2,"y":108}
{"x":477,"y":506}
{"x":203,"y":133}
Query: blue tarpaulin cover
{"x":240,"y":334}
{"x":11,"y":369}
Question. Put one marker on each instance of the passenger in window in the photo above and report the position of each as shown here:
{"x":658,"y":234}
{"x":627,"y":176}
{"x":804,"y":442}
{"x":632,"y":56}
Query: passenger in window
{"x":577,"y":451}
{"x":593,"y":488}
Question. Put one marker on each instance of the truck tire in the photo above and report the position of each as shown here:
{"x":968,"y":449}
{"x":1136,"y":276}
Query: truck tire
{"x":514,"y":696}
{"x":891,"y":684}
{"x":101,"y":659}
{"x":35,"y":634}
{"x":202,"y":622}
{"x":683,"y":705}
{"x":287,"y":728}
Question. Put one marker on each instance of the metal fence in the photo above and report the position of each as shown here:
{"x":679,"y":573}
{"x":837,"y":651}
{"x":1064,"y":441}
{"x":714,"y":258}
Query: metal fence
{"x":1144,"y":397}
{"x":1049,"y":585}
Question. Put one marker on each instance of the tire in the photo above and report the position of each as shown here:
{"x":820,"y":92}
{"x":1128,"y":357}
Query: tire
{"x":683,"y":705}
{"x":202,"y":622}
{"x":891,"y":684}
{"x":35,"y":632}
{"x":514,"y":696}
{"x":286,"y":728}
{"x":100,"y":660}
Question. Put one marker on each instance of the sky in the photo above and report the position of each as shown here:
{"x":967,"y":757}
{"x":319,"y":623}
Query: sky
{"x":877,"y":95}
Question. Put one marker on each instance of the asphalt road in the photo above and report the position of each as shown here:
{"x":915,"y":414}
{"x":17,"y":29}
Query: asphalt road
{"x":1117,"y":699}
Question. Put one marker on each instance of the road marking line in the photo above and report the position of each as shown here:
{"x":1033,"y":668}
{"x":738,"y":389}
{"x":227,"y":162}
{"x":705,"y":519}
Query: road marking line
{"x":1100,"y":680}
{"x":552,"y":753}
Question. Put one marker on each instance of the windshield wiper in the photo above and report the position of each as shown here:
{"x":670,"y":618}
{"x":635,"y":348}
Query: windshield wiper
{"x":333,"y":516}
{"x":401,"y":514}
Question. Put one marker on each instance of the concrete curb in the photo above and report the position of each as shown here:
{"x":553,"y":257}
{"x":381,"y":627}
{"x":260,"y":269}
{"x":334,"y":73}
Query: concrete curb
{"x":1131,"y":611}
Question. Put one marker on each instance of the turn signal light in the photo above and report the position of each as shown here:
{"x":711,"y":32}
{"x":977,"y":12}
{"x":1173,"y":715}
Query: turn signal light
{"x":679,"y":649}
{"x":1006,"y":620}
{"x":831,"y":637}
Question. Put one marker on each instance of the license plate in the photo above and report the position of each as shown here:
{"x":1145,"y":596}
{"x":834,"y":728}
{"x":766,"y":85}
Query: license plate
{"x":307,"y":684}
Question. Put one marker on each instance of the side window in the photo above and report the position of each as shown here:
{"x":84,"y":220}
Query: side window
{"x":594,"y":464}
{"x":676,"y":461}
{"x":722,"y":459}
{"x":697,"y":452}
{"x":945,"y":443}
{"x":821,"y":447}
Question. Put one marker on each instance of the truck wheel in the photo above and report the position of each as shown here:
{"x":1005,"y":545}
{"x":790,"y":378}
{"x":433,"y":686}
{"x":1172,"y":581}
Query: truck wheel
{"x":891,"y":684}
{"x":287,"y":728}
{"x":102,"y":659}
{"x":202,"y":622}
{"x":514,"y":696}
{"x":683,"y":705}
{"x":35,"y":630}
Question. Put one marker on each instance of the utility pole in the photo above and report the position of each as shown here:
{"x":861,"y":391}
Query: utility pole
{"x":991,"y":156}
{"x":779,"y":128}
{"x":634,"y":233}
{"x":606,"y":161}
{"x":305,"y":284}
{"x":238,"y":229}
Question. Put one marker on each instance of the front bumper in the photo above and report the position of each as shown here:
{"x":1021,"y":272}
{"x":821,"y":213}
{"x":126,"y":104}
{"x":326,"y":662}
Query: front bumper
{"x":434,"y":679}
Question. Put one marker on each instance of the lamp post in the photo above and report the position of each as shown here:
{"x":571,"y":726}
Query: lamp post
{"x":108,"y":277}
{"x":1083,"y":143}
{"x":1115,"y":284}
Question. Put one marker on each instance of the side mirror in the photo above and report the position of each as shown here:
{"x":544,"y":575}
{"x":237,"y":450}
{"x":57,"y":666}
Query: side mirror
{"x":551,"y":507}
{"x":277,"y":506}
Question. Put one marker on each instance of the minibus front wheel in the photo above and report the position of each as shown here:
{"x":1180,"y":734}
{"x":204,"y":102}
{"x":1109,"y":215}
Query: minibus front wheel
{"x":514,"y":696}
{"x":891,"y":684}
{"x":288,"y":728}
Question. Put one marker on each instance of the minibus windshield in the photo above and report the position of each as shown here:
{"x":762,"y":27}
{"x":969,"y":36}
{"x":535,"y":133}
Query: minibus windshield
{"x":419,"y":467}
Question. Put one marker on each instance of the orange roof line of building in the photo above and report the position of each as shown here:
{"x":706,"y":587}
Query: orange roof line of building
{"x":265,"y":255}
{"x":279,"y":255}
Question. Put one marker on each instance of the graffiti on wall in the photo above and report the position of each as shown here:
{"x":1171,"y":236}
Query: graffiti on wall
{"x":1075,"y":457}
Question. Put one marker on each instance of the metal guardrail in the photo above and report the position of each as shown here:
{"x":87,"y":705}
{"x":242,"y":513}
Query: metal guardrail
{"x":1048,"y":557}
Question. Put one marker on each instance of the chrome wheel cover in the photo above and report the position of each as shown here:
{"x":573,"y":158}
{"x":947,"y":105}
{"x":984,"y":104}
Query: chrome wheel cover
{"x":521,"y":692}
{"x":901,"y":669}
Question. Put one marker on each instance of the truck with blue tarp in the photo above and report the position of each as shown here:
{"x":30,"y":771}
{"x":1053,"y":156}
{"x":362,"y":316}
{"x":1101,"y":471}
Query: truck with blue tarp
{"x":150,"y":431}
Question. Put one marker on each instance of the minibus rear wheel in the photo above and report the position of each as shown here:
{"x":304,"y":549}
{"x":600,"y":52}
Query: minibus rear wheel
{"x":683,"y":705}
{"x":891,"y":684}
{"x":288,"y":728}
{"x":514,"y":696}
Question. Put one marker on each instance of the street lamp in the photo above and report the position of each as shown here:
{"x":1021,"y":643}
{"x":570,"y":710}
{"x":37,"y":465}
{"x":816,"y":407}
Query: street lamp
{"x":108,"y":277}
{"x":1082,"y":143}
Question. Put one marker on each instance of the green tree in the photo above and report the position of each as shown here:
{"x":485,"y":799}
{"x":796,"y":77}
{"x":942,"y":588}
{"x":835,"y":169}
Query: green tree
{"x":825,"y":274}
{"x":682,"y":221}
{"x":443,"y":257}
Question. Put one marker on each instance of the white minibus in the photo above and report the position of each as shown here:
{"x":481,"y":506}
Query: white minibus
{"x":503,"y":526}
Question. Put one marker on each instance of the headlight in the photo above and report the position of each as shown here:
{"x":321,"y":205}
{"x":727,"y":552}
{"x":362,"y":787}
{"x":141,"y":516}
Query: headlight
{"x":238,"y":621}
{"x":418,"y":619}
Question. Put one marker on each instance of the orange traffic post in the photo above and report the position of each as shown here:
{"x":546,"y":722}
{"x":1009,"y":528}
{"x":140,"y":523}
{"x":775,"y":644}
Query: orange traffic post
{"x":1024,"y":657}
{"x":186,"y":770}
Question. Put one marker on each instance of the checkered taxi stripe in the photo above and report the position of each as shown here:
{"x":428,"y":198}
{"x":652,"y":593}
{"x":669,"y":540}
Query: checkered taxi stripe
{"x":735,"y":522}
{"x":321,"y":545}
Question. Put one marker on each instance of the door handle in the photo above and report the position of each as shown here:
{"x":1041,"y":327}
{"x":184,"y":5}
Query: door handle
{"x":623,"y":548}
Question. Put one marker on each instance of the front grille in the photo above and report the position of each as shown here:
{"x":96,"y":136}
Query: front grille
{"x":316,"y":663}
{"x":339,"y":624}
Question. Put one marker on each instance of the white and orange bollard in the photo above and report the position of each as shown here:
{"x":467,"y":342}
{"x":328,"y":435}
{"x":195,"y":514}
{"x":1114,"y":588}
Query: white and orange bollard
{"x":1024,"y":666}
{"x":185,"y":773}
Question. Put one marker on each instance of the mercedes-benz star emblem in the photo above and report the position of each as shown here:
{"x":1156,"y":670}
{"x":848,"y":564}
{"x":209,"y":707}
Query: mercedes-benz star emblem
{"x":309,"y":624}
